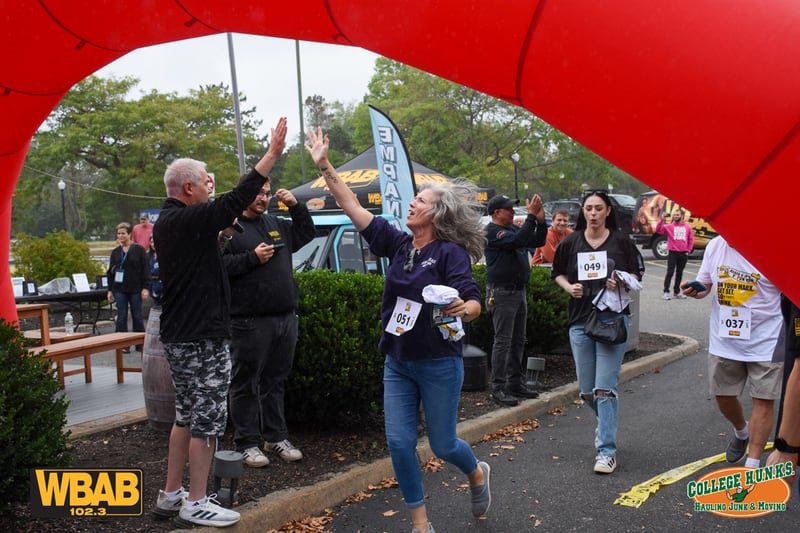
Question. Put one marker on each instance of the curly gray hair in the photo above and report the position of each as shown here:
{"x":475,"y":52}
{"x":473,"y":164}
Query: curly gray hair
{"x":457,"y":215}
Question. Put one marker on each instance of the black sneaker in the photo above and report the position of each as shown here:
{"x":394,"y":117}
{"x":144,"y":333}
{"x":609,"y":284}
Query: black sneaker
{"x":504,"y":398}
{"x":524,"y":392}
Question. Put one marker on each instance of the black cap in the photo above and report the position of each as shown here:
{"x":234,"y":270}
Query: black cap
{"x":501,"y":201}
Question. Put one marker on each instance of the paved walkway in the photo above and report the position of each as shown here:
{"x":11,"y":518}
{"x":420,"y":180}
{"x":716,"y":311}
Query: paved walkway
{"x":279,"y":508}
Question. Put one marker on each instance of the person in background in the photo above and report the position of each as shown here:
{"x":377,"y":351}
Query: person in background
{"x":422,"y":364}
{"x":586,"y":262}
{"x":143,"y":231}
{"x":680,"y":242}
{"x":507,"y":271}
{"x":128,"y":279}
{"x":195,"y":326}
{"x":155,"y":274}
{"x":264,"y":302}
{"x":743,"y":345}
{"x":787,"y":429}
{"x":555,"y":234}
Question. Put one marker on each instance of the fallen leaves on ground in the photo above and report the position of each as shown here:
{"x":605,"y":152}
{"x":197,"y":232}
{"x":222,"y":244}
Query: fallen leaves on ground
{"x":434,"y":464}
{"x":310,"y":524}
{"x":359,"y":496}
{"x":512,"y":431}
{"x":386,"y":483}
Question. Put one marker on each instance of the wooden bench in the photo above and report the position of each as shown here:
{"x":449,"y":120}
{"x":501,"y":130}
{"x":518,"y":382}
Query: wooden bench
{"x":40,"y":311}
{"x":71,"y":349}
{"x":34,"y":336}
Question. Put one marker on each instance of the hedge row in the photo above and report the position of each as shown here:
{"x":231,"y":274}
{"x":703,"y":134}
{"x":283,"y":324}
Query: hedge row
{"x":338,"y":369}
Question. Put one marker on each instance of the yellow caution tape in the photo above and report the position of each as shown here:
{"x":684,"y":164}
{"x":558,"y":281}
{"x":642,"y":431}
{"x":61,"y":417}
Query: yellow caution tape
{"x":639,"y":493}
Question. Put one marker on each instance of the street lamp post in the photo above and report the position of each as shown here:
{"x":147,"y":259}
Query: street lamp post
{"x":515,"y":159}
{"x":61,"y":187}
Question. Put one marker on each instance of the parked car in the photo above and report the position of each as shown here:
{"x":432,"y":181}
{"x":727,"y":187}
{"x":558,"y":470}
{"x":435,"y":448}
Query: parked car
{"x":649,"y":206}
{"x":622,"y":204}
{"x":337,"y":246}
{"x":571,"y":205}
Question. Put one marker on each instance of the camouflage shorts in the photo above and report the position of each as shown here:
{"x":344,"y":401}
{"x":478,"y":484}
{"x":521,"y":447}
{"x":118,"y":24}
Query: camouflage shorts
{"x":201,"y":372}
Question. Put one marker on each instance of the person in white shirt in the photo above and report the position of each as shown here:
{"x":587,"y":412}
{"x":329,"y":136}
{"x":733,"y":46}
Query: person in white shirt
{"x":744,"y":332}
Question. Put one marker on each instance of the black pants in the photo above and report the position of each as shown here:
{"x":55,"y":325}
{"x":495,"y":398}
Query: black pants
{"x":676,"y":261}
{"x":262,"y":353}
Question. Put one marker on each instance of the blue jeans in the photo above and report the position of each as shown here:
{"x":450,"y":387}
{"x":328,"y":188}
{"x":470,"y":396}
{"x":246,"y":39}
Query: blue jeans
{"x":437,"y":384}
{"x":598,"y":366}
{"x":123,"y":300}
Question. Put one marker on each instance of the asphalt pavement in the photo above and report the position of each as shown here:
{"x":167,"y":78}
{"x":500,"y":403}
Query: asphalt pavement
{"x":544,"y":480}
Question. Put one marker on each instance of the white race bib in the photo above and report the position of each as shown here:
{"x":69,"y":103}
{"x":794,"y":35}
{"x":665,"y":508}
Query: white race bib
{"x":592,"y":265}
{"x":734,"y":322}
{"x":404,"y":316}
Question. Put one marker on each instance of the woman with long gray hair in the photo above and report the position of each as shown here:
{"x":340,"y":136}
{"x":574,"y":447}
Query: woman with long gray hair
{"x":422,"y":364}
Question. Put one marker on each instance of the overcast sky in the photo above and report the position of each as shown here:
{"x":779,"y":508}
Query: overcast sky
{"x":266,"y":71}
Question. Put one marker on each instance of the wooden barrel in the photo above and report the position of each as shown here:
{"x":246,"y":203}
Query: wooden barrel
{"x":159,"y":392}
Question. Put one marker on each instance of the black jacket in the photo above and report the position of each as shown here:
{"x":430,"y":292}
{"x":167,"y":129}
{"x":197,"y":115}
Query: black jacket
{"x":196,"y":299}
{"x":135,"y":267}
{"x":269,"y":288}
{"x":507,"y":260}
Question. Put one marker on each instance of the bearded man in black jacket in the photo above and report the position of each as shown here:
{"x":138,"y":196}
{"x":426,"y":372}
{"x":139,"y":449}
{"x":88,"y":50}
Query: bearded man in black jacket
{"x":264,"y":301}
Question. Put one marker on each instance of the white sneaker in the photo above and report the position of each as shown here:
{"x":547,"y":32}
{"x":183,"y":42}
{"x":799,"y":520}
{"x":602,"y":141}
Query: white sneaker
{"x":166,"y":506}
{"x":667,"y":296}
{"x":605,"y":465}
{"x":206,"y":512}
{"x":679,"y":296}
{"x":255,"y":457}
{"x":285,"y":450}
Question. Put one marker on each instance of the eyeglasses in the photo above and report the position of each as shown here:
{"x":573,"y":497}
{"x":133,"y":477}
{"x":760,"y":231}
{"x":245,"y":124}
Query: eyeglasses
{"x":598,"y":192}
{"x":409,"y":264}
{"x":264,"y":194}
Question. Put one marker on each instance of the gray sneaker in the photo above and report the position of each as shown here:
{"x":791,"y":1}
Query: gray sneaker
{"x":430,"y":529}
{"x":736,"y":450}
{"x":167,"y":507}
{"x":482,"y":494}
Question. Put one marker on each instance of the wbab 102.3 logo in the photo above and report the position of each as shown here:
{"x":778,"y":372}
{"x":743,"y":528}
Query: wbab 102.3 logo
{"x":59,"y":493}
{"x":742,"y":492}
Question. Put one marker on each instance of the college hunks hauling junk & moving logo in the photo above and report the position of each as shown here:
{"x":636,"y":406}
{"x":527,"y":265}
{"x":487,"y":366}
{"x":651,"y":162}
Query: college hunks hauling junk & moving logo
{"x":740,"y":492}
{"x":64,"y":492}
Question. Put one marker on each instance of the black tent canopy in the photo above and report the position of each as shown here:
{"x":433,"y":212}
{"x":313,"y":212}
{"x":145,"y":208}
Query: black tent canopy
{"x":361,"y":175}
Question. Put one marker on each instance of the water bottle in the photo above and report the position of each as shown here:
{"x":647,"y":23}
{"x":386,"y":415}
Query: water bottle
{"x":69,"y":325}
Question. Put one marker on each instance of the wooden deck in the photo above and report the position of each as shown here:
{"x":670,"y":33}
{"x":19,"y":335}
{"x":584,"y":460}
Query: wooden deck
{"x":103,"y":397}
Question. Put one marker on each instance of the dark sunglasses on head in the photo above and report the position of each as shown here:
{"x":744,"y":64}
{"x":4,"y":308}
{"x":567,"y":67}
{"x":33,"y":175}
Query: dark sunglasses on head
{"x":598,"y":192}
{"x":409,"y":264}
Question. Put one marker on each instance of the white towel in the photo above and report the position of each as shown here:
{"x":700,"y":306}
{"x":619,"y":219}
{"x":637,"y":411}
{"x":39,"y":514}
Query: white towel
{"x":443,"y":295}
{"x":619,"y":299}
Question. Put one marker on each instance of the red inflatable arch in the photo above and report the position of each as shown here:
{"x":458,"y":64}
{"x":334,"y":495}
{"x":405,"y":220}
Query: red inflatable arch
{"x":700,"y":100}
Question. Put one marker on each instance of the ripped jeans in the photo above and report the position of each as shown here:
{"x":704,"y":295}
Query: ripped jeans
{"x":598,"y":366}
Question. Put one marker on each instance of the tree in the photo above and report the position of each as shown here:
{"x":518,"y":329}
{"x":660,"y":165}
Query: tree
{"x":112,"y":151}
{"x":463,"y":132}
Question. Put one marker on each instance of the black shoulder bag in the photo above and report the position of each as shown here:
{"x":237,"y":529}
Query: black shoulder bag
{"x":605,"y":326}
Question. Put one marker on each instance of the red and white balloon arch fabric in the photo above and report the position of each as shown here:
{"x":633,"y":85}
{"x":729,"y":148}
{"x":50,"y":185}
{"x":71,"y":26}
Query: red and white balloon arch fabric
{"x":700,"y":100}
